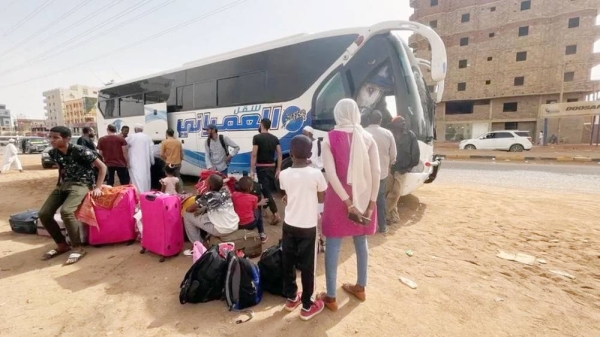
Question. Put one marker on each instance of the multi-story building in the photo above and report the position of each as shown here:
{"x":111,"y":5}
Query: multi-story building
{"x":54,"y":101}
{"x":5,"y":119}
{"x":31,"y":127}
{"x":79,"y":113}
{"x":508,"y":57}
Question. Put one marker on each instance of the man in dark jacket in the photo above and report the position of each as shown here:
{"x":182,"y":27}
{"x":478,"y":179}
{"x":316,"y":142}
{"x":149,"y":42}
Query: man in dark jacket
{"x":407,"y":158}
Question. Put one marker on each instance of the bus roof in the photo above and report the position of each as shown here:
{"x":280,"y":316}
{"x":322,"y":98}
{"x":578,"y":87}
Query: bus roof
{"x":294,"y":39}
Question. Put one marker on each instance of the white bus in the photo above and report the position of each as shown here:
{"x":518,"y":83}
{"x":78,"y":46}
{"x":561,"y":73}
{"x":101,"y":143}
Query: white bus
{"x":294,"y":82}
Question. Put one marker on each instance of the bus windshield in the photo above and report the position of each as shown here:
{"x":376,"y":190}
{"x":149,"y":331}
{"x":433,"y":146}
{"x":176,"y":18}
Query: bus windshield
{"x":415,"y":102}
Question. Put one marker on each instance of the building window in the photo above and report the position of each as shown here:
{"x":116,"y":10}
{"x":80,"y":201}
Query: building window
{"x":462,"y":64}
{"x":525,"y":5}
{"x":493,"y":9}
{"x":521,"y":56}
{"x":433,"y":24}
{"x":519,"y":81}
{"x":571,"y":49}
{"x":462,"y":86}
{"x":465,"y":18}
{"x":574,"y":22}
{"x":492,"y":34}
{"x":490,"y":58}
{"x":510,"y":107}
{"x":569,"y":76}
{"x":511,"y":126}
{"x":488,"y":82}
{"x":551,"y":101}
{"x":524,"y":31}
{"x":433,"y":3}
{"x":464,"y":41}
{"x":570,"y":100}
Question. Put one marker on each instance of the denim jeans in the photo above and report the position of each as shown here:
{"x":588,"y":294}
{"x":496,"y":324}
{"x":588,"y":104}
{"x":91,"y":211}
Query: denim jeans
{"x":381,"y":223}
{"x":332,"y":254}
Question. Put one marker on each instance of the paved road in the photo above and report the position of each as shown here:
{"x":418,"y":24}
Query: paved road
{"x":535,"y":176}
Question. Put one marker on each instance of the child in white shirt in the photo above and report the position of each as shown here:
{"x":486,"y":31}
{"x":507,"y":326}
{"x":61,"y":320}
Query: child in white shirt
{"x":304,"y":188}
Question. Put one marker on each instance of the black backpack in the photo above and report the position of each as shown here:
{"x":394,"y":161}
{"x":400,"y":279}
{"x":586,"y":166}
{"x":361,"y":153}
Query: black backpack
{"x":222,"y":140}
{"x":271,"y":270}
{"x":242,"y":283}
{"x":204,"y":281}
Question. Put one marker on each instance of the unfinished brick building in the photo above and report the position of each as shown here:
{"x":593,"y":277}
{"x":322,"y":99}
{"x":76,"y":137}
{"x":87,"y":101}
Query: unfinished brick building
{"x":507,"y":57}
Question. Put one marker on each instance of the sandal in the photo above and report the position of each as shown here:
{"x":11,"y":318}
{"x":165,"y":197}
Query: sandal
{"x":329,"y":302}
{"x":52,"y":254}
{"x":352,"y":290}
{"x":263,"y":238}
{"x":75,"y":257}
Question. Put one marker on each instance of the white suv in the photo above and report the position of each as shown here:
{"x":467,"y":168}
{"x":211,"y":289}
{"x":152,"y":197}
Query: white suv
{"x":506,"y":140}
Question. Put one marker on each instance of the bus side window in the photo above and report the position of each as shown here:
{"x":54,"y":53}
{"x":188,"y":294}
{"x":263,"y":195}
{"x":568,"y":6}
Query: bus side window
{"x":327,"y":98}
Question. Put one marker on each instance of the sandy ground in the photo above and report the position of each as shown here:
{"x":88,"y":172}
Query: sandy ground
{"x":455,"y":233}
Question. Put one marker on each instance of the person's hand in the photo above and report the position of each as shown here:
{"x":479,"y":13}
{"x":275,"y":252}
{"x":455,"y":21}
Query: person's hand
{"x":228,"y":159}
{"x":264,"y":201}
{"x":96,"y":192}
{"x":368,"y":213}
{"x":212,"y":169}
{"x":197,"y":212}
{"x":277,"y":173}
{"x":284,"y":199}
{"x":355,"y":211}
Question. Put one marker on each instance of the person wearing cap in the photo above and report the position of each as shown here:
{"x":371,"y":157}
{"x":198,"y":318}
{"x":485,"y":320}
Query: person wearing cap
{"x":386,"y":146}
{"x":10,"y":157}
{"x":408,"y":155}
{"x":315,"y":157}
{"x":140,"y":159}
{"x":217,"y":151}
{"x":171,"y":151}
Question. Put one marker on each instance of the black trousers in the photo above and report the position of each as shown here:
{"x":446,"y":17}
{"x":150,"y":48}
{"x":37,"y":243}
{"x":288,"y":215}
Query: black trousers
{"x":122,"y":172}
{"x":266,"y":179}
{"x":299,"y":250}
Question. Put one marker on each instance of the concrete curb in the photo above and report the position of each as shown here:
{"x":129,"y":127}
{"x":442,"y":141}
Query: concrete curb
{"x":562,"y":159}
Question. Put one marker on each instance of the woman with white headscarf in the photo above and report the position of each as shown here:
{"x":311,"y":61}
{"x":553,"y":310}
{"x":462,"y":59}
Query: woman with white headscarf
{"x":351,"y":163}
{"x":10,"y":157}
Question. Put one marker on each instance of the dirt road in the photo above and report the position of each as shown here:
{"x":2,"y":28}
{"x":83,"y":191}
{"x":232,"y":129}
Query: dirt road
{"x":455,"y":232}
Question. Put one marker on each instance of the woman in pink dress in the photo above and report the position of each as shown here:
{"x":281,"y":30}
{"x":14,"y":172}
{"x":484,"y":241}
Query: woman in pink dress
{"x":351,"y":163}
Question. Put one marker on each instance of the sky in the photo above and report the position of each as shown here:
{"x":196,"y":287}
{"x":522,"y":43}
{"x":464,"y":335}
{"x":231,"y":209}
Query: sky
{"x":47,"y":44}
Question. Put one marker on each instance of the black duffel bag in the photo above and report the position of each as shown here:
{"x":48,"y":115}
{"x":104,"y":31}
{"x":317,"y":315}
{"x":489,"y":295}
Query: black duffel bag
{"x":271,"y":270}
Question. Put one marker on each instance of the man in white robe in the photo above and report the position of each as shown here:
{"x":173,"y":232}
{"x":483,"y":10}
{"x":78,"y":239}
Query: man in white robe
{"x":140,"y":159}
{"x":10,"y":157}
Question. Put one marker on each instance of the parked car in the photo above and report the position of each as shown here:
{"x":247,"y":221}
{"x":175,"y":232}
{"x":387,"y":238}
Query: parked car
{"x":47,"y":162}
{"x":33,"y":144}
{"x":505,"y":140}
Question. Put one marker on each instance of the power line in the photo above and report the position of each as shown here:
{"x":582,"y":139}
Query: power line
{"x":150,"y":38}
{"x":43,"y":29}
{"x":40,"y":57}
{"x":29,"y":16}
{"x":93,"y":37}
{"x":84,"y":19}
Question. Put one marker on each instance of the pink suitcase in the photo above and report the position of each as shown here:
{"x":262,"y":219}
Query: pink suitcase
{"x":163,"y":229}
{"x":115,"y":225}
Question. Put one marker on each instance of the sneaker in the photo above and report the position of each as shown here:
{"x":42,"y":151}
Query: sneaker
{"x":315,"y":309}
{"x":263,"y":237}
{"x":291,"y":305}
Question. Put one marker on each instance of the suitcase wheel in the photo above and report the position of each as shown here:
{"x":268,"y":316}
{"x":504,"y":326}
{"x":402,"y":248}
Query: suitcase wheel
{"x":162,"y":259}
{"x":143,"y":251}
{"x":129,"y":243}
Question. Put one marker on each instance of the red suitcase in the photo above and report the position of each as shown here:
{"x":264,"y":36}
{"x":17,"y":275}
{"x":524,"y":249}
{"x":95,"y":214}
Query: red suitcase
{"x":163,"y":227}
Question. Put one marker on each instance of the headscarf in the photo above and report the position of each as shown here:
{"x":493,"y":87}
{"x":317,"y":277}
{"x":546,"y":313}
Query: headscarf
{"x":347,"y":118}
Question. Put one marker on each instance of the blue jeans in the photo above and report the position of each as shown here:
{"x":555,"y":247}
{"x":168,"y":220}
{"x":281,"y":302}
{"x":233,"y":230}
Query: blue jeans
{"x":332,"y":254}
{"x":381,"y":223}
{"x":225,"y":171}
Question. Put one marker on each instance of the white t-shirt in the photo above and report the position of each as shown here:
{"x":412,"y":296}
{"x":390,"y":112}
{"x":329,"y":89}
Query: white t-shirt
{"x":301,"y":186}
